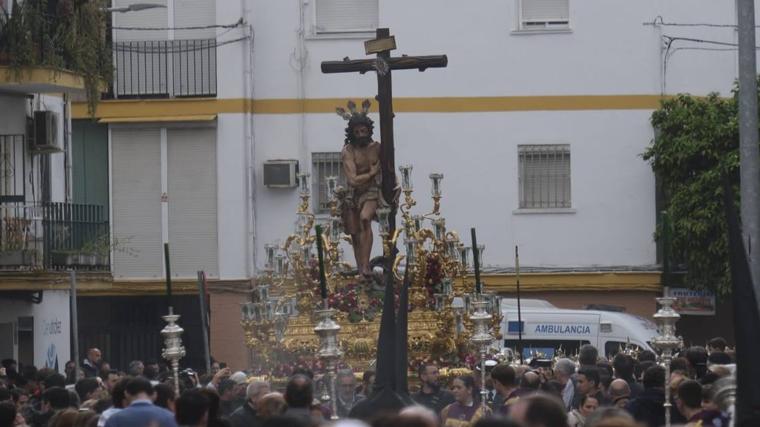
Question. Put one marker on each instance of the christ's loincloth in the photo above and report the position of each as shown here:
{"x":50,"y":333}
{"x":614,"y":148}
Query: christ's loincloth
{"x":357,"y":197}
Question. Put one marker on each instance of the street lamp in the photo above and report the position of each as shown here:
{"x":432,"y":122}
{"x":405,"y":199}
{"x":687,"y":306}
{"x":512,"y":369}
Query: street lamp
{"x":667,"y":341}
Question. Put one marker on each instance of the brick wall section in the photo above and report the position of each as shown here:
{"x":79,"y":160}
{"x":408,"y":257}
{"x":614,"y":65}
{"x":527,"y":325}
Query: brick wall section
{"x":227,"y":341}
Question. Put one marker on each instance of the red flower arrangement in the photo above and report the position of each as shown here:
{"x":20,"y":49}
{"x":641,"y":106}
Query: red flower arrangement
{"x":348,"y":299}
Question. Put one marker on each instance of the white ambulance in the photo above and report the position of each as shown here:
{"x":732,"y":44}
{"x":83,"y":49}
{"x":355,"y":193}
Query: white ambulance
{"x":546,"y":329}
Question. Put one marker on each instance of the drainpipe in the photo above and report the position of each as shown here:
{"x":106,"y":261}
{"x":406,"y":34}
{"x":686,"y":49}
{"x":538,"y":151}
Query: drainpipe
{"x":250,"y":149}
{"x":68,"y":149}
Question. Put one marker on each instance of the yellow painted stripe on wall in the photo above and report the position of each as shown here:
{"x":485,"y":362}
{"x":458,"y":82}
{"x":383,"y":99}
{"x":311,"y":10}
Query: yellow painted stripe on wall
{"x":580,"y":281}
{"x":105,"y":284}
{"x":175,"y":107}
{"x":41,"y":76}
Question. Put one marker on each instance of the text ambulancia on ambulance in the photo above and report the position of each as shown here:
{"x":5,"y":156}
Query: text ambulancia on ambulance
{"x":545,"y":326}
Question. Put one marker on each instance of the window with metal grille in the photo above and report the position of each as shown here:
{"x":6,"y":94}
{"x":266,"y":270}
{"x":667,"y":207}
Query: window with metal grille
{"x":544,"y":176}
{"x":544,"y":14}
{"x":12,"y":168}
{"x":322,"y":166}
{"x":346,"y":16}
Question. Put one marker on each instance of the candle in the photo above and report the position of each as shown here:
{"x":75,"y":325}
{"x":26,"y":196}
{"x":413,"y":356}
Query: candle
{"x":270,"y":251}
{"x":406,"y":177}
{"x":335,"y":229}
{"x":452,"y":246}
{"x":320,"y":257}
{"x":279,"y":263}
{"x":417,"y":222}
{"x":383,"y":215}
{"x":439,"y":228}
{"x":464,"y":255}
{"x":436,"y":187}
{"x":332,"y":182}
{"x":476,"y":260}
{"x":411,"y":249}
{"x":303,"y":182}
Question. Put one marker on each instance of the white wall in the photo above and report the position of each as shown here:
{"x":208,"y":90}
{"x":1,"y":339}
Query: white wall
{"x":613,"y":189}
{"x":609,"y":51}
{"x":52,"y":330}
{"x":232,"y":209}
{"x":52,"y":327}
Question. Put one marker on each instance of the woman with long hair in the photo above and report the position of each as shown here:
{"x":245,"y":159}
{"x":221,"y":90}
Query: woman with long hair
{"x":577,"y":417}
{"x":466,"y":409}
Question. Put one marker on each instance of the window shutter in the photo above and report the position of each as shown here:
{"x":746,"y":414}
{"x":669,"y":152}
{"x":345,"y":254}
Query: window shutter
{"x":346,"y":15}
{"x":137,"y":203}
{"x":194,"y":13}
{"x":192,"y":201}
{"x":148,"y":18}
{"x":545,"y":11}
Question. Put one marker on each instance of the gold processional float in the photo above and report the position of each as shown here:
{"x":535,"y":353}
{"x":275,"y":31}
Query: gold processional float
{"x":450,"y":322}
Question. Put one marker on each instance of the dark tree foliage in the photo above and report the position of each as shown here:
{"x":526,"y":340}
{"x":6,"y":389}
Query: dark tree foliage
{"x":695,"y":149}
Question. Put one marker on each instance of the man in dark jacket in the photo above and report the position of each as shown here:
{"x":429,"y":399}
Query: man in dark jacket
{"x":246,"y":416}
{"x":140,"y":410}
{"x":647,"y":407}
{"x":624,"y":367}
{"x":53,"y":400}
{"x":431,"y":395}
{"x":91,"y":364}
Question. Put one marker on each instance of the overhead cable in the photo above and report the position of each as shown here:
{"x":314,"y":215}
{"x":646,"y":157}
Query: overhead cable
{"x":239,"y":23}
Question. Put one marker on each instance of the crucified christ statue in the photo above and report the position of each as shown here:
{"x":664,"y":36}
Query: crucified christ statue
{"x":361,"y":165}
{"x":366,"y":177}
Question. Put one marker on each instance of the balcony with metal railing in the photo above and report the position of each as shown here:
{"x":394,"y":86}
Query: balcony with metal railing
{"x":54,"y":236}
{"x":164,"y":68}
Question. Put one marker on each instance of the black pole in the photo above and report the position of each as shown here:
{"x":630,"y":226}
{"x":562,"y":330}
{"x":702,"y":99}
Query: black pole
{"x":168,"y":278}
{"x":666,"y":248}
{"x":204,"y":318}
{"x":74,"y":314}
{"x":476,"y":261}
{"x":519,"y":310}
{"x":320,"y":257}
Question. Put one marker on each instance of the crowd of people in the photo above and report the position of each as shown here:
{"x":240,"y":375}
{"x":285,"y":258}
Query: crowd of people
{"x":591,"y":391}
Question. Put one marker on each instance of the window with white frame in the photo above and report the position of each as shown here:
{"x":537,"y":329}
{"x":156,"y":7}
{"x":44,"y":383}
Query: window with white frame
{"x":324,"y":165}
{"x":346,"y":16}
{"x":544,"y":178}
{"x":544,"y":14}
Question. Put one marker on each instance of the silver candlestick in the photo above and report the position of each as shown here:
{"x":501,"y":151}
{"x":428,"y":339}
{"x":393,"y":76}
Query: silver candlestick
{"x":329,"y":351}
{"x":666,"y":342}
{"x":173,"y":348}
{"x":481,"y":338}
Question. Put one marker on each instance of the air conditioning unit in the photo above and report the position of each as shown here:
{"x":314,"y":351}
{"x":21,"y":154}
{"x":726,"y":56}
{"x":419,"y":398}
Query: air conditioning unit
{"x":44,"y":138}
{"x":280,"y":173}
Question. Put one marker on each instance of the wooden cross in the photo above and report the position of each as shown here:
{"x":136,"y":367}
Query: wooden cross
{"x":383,"y":64}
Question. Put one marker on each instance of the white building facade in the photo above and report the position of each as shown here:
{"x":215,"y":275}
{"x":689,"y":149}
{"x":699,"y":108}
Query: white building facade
{"x":538,"y":124}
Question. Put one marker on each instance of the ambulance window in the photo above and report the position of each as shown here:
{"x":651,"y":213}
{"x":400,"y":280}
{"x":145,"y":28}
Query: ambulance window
{"x":568,"y":347}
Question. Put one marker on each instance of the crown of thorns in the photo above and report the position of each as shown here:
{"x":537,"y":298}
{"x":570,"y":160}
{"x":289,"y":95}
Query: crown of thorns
{"x":353,"y":115}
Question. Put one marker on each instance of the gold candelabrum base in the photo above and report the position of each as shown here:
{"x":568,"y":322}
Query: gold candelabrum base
{"x":441,"y":334}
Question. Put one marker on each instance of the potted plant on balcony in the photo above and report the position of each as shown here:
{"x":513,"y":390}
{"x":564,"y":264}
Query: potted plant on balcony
{"x":70,"y":38}
{"x":13,"y":239}
{"x":94,"y":253}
